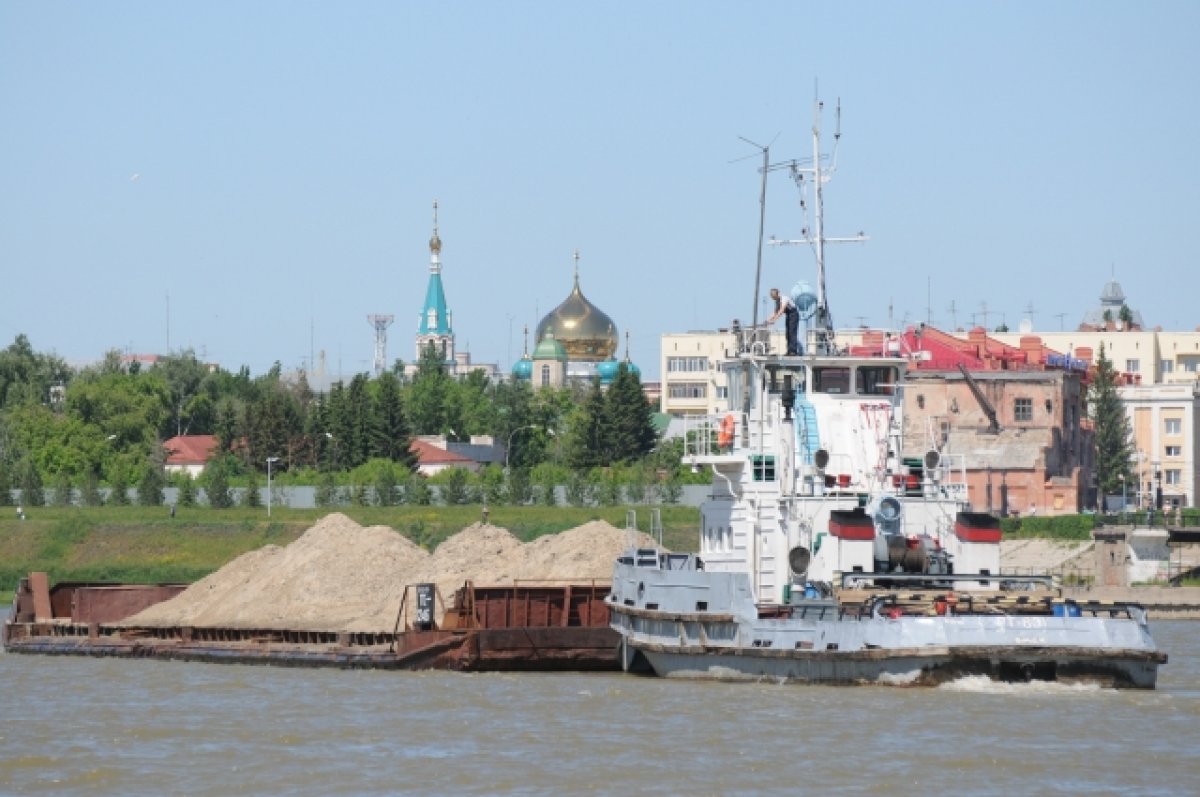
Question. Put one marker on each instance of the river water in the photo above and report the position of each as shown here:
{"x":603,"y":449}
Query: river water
{"x":72,"y":725}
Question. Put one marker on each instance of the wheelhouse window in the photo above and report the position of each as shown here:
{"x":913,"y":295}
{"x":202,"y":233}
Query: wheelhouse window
{"x":777,"y":378}
{"x":875,"y":380}
{"x":831,"y":380}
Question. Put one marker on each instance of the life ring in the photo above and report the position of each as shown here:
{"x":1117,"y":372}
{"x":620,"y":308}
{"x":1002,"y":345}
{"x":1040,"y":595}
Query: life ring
{"x":725,"y":433}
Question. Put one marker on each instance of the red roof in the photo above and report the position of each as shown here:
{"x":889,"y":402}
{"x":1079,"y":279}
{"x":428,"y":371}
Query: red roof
{"x":190,"y":449}
{"x":429,"y":454}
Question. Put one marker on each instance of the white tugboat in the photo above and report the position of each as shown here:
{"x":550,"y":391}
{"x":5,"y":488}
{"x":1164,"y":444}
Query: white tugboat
{"x":824,"y":557}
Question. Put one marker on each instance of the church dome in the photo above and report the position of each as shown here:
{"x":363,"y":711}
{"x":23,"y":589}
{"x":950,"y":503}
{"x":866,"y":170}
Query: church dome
{"x":584,"y":330}
{"x":523,"y":368}
{"x":607,"y":371}
{"x":548,"y":349}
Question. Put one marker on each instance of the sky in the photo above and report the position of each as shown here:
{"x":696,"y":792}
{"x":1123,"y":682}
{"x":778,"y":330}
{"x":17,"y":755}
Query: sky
{"x":250,"y":181}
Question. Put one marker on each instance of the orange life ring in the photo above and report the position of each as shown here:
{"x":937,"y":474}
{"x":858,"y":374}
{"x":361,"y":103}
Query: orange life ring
{"x":725,"y":434}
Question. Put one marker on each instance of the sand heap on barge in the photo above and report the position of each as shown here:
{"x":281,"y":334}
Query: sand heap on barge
{"x":352,"y":596}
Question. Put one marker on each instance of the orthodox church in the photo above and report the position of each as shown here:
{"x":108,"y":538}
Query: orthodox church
{"x":576,"y":342}
{"x":435,"y":323}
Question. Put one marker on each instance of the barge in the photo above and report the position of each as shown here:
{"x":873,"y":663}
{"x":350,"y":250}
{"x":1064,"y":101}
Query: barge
{"x":513,"y":627}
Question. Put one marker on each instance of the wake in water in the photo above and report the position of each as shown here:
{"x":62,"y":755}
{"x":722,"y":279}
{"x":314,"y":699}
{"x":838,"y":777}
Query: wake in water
{"x":981,"y":684}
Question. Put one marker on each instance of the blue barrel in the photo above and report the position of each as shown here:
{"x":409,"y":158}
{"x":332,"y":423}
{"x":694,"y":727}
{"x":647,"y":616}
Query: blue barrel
{"x":1066,"y":610}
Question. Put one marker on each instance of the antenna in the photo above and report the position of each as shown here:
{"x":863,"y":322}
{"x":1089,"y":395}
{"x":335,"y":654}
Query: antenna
{"x":381,"y":324}
{"x":814,"y":235}
{"x":983,"y":311}
{"x":953,"y":316}
{"x":1060,"y":317}
{"x":762,"y":220}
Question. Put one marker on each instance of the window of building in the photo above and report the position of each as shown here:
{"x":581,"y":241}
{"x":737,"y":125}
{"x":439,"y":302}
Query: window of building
{"x":1023,"y":409}
{"x":1172,"y":477}
{"x":722,"y":392}
{"x":1174,"y":451}
{"x":1167,"y":366}
{"x":1133,"y":366}
{"x":1172,"y":426}
{"x":686,"y":364}
{"x":687,"y":390}
{"x":764,"y":468}
{"x":545,"y":376}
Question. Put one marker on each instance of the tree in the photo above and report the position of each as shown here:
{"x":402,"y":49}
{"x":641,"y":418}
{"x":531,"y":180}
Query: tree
{"x":252,"y":498}
{"x":627,"y":416}
{"x":391,"y":432}
{"x":580,"y":491}
{"x":427,"y":397}
{"x":454,"y":487}
{"x":216,"y":482}
{"x":61,"y":492}
{"x":150,"y":488}
{"x":588,"y":443}
{"x":26,"y":376}
{"x":519,"y":490}
{"x":6,"y":484}
{"x":327,"y":493}
{"x":416,"y":490}
{"x":118,"y":488}
{"x":89,"y":492}
{"x":385,"y":485}
{"x":187,"y":490}
{"x":1114,"y":449}
{"x":491,"y":484}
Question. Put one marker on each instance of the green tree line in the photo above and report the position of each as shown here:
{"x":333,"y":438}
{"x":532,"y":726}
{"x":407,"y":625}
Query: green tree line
{"x":71,"y":432}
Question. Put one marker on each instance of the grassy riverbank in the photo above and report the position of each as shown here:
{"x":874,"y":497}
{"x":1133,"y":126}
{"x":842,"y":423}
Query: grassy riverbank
{"x":145,"y":545}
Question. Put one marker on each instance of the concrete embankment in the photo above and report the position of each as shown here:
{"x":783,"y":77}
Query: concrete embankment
{"x":1162,"y":603}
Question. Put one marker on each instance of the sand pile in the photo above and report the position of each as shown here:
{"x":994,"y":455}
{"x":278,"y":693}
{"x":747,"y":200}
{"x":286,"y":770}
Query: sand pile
{"x":342,"y":576}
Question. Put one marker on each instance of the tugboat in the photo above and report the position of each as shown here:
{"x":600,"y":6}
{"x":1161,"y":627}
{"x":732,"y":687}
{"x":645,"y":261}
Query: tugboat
{"x":825,"y":557}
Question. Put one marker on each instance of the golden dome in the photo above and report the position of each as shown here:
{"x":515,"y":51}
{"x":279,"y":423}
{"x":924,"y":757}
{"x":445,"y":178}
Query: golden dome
{"x":584,"y":330}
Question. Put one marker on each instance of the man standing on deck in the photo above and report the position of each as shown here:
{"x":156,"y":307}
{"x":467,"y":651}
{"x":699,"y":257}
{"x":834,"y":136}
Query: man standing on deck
{"x":785,"y":306}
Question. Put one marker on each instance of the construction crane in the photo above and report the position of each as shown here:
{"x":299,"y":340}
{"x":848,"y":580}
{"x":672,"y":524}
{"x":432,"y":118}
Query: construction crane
{"x":988,"y":409}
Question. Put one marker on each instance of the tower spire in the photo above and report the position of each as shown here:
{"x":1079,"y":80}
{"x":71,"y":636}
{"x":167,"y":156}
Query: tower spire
{"x":434,"y":324}
{"x":576,"y":266}
{"x":435,"y":244}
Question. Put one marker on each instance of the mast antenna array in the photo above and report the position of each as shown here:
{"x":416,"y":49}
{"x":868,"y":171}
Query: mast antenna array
{"x":814,"y":232}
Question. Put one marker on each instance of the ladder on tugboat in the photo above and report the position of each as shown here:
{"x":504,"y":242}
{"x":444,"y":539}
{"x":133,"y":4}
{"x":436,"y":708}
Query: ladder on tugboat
{"x":644,"y":557}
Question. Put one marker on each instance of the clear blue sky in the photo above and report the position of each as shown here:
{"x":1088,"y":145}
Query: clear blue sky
{"x":270,"y":166}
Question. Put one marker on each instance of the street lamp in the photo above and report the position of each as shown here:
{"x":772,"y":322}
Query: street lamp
{"x":270,"y":460}
{"x":508,"y":445}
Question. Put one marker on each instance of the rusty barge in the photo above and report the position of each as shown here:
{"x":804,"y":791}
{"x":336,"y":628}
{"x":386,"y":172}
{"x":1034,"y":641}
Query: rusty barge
{"x":514,"y":627}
